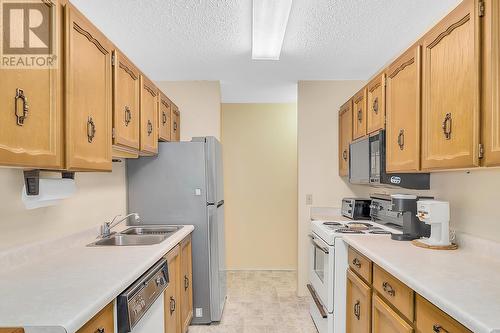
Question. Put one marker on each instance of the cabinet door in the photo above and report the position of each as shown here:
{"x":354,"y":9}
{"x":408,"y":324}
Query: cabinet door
{"x":176,"y":123}
{"x":103,"y":322}
{"x":450,"y":114}
{"x":403,"y":113}
{"x":375,"y":113}
{"x":186,"y":283}
{"x":345,"y":137}
{"x":491,"y":84}
{"x":431,"y":319}
{"x":11,"y":330}
{"x":88,"y":95}
{"x":358,"y":305}
{"x":359,"y":114}
{"x":149,"y":117}
{"x":31,"y":114}
{"x":126,"y":103}
{"x":172,"y":300}
{"x":165,"y":118}
{"x":385,"y":320}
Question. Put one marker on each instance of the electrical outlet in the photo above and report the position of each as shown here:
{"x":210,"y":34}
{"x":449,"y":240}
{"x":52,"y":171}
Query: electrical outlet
{"x":199,"y":312}
{"x":309,"y":199}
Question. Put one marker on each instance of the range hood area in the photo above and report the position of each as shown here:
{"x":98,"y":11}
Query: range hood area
{"x":367,"y":166}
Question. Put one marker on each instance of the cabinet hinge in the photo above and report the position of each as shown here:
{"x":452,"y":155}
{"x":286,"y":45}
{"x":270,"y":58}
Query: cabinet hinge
{"x":481,"y":151}
{"x":113,"y":133}
{"x":482,"y":8}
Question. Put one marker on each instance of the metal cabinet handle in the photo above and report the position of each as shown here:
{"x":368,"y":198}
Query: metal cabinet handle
{"x":175,"y":126}
{"x":90,"y":129}
{"x":150,"y":128}
{"x":163,"y":118}
{"x":128,"y":116}
{"x":388,"y":289}
{"x":439,"y":329}
{"x":447,"y":126}
{"x":356,"y":263}
{"x":401,"y":139}
{"x":357,"y":309}
{"x":100,"y":330}
{"x":360,"y":115}
{"x":375,"y":105}
{"x":21,"y":117}
{"x":344,"y":154}
{"x":172,"y":305}
{"x":186,"y":282}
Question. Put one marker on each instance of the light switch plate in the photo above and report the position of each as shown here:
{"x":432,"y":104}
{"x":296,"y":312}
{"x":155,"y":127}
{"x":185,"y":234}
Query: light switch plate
{"x":199,"y":312}
{"x":197,"y":192}
{"x":309,"y":199}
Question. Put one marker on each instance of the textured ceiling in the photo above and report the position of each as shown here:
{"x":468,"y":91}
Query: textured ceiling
{"x":211,"y":40}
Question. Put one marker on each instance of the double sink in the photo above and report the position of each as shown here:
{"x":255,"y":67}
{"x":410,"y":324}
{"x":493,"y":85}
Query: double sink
{"x":137,"y":236}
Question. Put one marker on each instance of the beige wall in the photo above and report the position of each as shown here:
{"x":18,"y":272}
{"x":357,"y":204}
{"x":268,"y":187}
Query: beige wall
{"x":99,"y":197}
{"x":260,"y":175}
{"x":199,"y":102}
{"x":318,"y":104}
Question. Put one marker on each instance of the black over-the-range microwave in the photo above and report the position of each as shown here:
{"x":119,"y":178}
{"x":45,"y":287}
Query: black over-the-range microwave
{"x":367,"y":166}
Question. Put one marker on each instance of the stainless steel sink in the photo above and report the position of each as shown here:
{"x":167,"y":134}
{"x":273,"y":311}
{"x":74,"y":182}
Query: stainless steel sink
{"x":152,"y":230}
{"x":137,"y":236}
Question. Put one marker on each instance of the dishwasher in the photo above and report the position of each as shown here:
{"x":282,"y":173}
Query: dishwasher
{"x":140,"y":308}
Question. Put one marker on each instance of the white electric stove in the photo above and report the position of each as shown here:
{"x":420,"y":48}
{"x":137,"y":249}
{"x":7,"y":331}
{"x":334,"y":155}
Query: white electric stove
{"x":328,"y":265}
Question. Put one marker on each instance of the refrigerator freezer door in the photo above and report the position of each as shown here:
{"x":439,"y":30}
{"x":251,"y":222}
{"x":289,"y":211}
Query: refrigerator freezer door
{"x":218,"y":283}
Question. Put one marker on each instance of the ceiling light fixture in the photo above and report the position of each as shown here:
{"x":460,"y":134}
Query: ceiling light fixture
{"x":270,"y":18}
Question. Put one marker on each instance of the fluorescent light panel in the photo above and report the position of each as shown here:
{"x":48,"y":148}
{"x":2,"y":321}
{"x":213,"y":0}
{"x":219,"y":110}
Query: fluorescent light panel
{"x":270,"y":18}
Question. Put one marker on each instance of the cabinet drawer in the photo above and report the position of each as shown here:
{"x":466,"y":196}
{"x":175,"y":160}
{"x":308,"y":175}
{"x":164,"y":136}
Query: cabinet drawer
{"x":394,"y":291}
{"x":431,"y":319}
{"x":102,"y":322}
{"x":11,"y":330}
{"x":385,"y":320}
{"x":360,"y":264}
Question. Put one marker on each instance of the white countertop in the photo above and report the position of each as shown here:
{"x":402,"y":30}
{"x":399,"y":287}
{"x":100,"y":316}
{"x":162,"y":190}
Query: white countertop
{"x":65,"y":289}
{"x":463,"y":283}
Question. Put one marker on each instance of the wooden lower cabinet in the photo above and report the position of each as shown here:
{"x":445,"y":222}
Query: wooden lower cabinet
{"x":172,"y":293}
{"x":386,"y":320}
{"x":431,"y":319}
{"x":358,"y":306}
{"x":11,"y":330}
{"x":103,"y":322}
{"x":186,"y":270}
{"x":345,"y":137}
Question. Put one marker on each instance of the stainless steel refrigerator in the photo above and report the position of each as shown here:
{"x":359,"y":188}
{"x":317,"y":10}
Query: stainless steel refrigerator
{"x":183,"y":185}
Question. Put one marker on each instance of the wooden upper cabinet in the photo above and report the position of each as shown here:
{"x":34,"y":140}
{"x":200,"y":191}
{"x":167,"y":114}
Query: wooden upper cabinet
{"x":345,"y":137}
{"x":126,"y":116}
{"x":403,"y":113}
{"x":31,"y":111}
{"x":375,"y":113}
{"x":149,"y":117}
{"x":358,"y":305}
{"x":165,"y":118}
{"x":491,"y":83}
{"x":88,"y":95}
{"x":359,"y":114}
{"x":450,"y":103}
{"x":176,"y":124}
{"x":386,"y":320}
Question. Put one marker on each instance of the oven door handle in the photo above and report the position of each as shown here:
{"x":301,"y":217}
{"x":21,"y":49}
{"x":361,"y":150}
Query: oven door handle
{"x":316,"y":300}
{"x":318,"y":245}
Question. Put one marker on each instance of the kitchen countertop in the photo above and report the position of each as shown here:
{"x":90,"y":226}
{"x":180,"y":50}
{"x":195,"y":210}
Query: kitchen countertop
{"x":61,"y":291}
{"x":462,"y":283}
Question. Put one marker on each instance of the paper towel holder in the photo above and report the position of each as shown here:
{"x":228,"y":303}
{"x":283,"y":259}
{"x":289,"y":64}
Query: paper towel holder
{"x":32,"y":180}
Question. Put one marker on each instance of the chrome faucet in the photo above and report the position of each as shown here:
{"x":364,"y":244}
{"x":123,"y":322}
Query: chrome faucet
{"x":106,"y":227}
